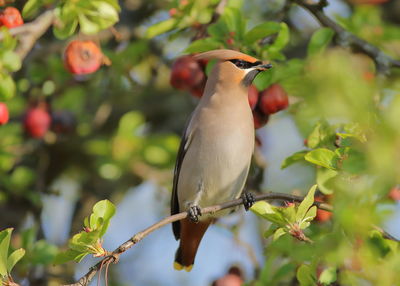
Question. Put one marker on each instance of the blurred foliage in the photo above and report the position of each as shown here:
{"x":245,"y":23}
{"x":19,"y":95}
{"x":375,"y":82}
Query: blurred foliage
{"x":127,"y":120}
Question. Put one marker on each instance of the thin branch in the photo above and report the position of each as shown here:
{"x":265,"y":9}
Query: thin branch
{"x":29,"y":33}
{"x":114,"y":256}
{"x":383,"y":61}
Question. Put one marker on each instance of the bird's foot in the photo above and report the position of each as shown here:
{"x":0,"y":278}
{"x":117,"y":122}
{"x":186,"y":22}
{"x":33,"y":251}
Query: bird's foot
{"x":248,"y":200}
{"x":193,"y":213}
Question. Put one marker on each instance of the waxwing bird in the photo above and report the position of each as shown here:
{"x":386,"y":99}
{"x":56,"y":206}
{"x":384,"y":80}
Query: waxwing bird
{"x":215,"y":152}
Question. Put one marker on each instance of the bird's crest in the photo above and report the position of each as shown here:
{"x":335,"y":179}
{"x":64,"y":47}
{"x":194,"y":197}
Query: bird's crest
{"x":224,"y":55}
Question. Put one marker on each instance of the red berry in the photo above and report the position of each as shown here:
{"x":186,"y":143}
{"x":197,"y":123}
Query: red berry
{"x":253,"y":96}
{"x":183,"y":2}
{"x":273,"y":99}
{"x":322,"y":216}
{"x":229,"y":280}
{"x":394,"y":193}
{"x":230,"y":41}
{"x":260,"y":119}
{"x":11,"y":17}
{"x":82,"y":57}
{"x":3,"y":113}
{"x":172,"y":12}
{"x":186,"y":73}
{"x":289,"y":204}
{"x":368,"y":76}
{"x":37,"y":122}
{"x":203,"y":63}
{"x":198,"y":91}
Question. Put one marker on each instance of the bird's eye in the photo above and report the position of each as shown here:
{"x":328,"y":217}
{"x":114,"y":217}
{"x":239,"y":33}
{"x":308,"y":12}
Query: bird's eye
{"x":243,"y":64}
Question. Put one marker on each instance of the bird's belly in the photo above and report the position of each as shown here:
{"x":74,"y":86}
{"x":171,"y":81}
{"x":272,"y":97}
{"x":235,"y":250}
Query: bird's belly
{"x":212,"y":175}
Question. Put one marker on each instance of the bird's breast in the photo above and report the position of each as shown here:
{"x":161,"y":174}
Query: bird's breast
{"x":216,"y":164}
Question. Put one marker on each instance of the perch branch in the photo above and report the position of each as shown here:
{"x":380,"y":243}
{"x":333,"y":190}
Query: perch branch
{"x":114,"y":256}
{"x":29,"y":33}
{"x":383,"y":61}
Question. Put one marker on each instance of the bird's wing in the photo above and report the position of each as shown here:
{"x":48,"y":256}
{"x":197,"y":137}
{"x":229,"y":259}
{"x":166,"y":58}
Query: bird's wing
{"x":185,"y":143}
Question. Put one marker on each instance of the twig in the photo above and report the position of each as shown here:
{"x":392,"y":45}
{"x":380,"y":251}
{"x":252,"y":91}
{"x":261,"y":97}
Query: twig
{"x":114,"y":256}
{"x":29,"y":33}
{"x":202,"y":32}
{"x":382,"y":60}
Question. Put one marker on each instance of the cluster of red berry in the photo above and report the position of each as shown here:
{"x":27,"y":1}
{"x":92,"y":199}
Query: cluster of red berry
{"x":38,"y":120}
{"x":189,"y":74}
{"x":10,"y":17}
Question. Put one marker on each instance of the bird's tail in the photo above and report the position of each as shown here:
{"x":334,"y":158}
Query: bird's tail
{"x":190,"y":237}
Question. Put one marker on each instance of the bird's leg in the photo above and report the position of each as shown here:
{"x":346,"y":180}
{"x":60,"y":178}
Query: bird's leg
{"x":194,"y":212}
{"x":248,"y":200}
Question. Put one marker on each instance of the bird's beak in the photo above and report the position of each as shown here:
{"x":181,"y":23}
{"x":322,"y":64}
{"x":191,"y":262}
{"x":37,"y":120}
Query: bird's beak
{"x":263,"y":67}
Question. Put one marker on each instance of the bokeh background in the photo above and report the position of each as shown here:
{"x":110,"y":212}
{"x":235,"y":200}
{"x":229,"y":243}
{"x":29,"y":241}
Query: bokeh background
{"x":115,"y":135}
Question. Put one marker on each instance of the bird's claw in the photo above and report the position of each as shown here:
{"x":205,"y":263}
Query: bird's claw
{"x":193,"y":213}
{"x":248,"y":200}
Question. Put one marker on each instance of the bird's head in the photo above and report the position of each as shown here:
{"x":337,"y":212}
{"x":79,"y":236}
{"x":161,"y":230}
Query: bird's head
{"x":234,"y":67}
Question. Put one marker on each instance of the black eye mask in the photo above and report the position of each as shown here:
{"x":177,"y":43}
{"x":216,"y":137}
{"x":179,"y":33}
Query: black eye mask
{"x":243,"y":64}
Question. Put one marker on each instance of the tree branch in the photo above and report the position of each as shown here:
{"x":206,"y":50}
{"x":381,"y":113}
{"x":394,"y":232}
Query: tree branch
{"x":29,"y":33}
{"x":113,"y":257}
{"x":383,"y":61}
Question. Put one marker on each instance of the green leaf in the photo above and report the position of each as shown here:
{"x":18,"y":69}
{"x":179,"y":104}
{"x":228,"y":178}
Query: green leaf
{"x":104,"y":210}
{"x":320,"y":40}
{"x":11,"y":61}
{"x":7,"y":87}
{"x":14,"y":258}
{"x":261,"y":31}
{"x":106,"y":14}
{"x":203,"y":45}
{"x":354,"y":161}
{"x":43,"y":253}
{"x":280,"y":42}
{"x":269,"y":212}
{"x":271,"y":230}
{"x":63,"y":29}
{"x":323,"y":157}
{"x":5,"y":237}
{"x":235,"y":21}
{"x":87,"y":26}
{"x":218,"y":30}
{"x":305,"y":276}
{"x":278,"y":233}
{"x":160,"y":28}
{"x":285,"y":270}
{"x":322,"y":135}
{"x":306,"y":204}
{"x":66,"y":256}
{"x":294,"y":158}
{"x":381,"y":246}
{"x":353,"y":130}
{"x":328,"y":276}
{"x":8,"y":42}
{"x":81,"y":241}
{"x":309,"y":216}
{"x":30,"y":8}
{"x":325,"y":178}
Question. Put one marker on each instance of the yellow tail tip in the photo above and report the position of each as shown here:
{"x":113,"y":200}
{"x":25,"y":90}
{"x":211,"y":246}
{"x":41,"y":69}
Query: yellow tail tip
{"x":178,"y":266}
